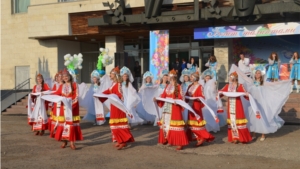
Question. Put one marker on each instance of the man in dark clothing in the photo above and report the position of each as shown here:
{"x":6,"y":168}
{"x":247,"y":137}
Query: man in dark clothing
{"x":137,"y":75}
{"x":183,"y":65}
{"x":177,"y":67}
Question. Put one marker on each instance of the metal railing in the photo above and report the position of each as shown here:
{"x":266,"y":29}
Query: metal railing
{"x":17,"y":89}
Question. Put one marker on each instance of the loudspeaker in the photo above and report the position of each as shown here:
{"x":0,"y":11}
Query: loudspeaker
{"x":157,"y":8}
{"x":149,"y":7}
{"x":153,"y":8}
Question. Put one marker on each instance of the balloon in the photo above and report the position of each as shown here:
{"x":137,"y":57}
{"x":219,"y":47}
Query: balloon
{"x":101,"y":49}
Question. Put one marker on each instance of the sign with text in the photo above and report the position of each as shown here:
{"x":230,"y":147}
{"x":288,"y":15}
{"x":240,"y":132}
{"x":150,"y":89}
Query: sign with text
{"x":272,"y":29}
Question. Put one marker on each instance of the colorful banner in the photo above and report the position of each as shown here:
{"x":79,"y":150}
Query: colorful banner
{"x":275,"y":29}
{"x":159,"y":52}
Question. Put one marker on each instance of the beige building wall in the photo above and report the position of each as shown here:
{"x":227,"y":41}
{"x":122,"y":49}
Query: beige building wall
{"x":221,"y":51}
{"x":19,"y":50}
{"x":45,"y":18}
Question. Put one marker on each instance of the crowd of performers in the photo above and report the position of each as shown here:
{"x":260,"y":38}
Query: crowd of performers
{"x":186,"y":112}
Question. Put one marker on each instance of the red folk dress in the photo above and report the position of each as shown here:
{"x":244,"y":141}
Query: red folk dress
{"x":235,"y":108}
{"x":118,"y":121}
{"x":36,"y":89}
{"x":53,"y":112}
{"x":74,"y":133}
{"x":196,"y":130}
{"x":172,"y":123}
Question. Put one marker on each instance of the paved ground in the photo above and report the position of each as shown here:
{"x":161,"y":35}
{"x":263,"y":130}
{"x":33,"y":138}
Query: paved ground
{"x":21,"y":149}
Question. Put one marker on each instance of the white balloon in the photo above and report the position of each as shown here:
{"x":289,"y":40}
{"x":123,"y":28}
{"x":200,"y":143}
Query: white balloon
{"x":101,"y":49}
{"x":79,"y":55}
{"x":106,"y":50}
{"x":71,"y":58}
{"x":67,"y":56}
{"x":79,"y":67}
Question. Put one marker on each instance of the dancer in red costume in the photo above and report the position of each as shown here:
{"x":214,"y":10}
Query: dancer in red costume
{"x":40,"y":87}
{"x":236,"y":119}
{"x":196,"y":128}
{"x":72,"y":132}
{"x":118,"y":121}
{"x":57,"y":84}
{"x":172,"y":124}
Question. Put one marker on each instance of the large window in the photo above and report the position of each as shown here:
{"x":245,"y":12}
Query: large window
{"x":20,"y":6}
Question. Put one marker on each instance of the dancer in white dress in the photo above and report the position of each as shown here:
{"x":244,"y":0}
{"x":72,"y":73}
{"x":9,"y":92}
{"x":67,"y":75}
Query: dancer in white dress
{"x":210,"y":91}
{"x":164,"y":81}
{"x":185,"y":83}
{"x":146,"y":108}
{"x":131,"y":98}
{"x":98,"y":85}
{"x":269,"y":97}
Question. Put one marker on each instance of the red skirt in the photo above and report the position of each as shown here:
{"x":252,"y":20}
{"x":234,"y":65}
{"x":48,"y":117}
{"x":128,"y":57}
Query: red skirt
{"x":52,"y":130}
{"x":200,"y":133}
{"x":176,"y":137}
{"x":244,"y":135}
{"x":74,"y":132}
{"x":121,"y":133}
{"x":43,"y":127}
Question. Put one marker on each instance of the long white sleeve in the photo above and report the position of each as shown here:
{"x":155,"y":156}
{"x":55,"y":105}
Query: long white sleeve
{"x":244,"y":65}
{"x":207,"y":64}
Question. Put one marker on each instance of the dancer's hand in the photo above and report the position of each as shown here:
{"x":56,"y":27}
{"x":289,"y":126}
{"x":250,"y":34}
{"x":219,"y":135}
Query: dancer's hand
{"x":154,"y":99}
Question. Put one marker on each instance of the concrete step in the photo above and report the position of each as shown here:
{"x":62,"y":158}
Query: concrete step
{"x":17,"y":109}
{"x":18,"y":106}
{"x":22,"y":103}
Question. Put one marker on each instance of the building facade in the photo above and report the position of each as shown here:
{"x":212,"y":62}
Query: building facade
{"x":37,"y":34}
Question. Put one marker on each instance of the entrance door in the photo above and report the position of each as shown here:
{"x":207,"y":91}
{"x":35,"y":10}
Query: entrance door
{"x":177,"y":54}
{"x":22,"y":74}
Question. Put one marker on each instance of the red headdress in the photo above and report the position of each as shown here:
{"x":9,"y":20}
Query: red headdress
{"x":65,"y":71}
{"x":234,"y":74}
{"x":57,"y":74}
{"x":116,"y":70}
{"x":172,"y":73}
{"x":40,"y":75}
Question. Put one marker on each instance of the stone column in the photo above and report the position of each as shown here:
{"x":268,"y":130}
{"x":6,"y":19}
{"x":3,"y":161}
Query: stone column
{"x":114,"y":44}
{"x":221,"y":51}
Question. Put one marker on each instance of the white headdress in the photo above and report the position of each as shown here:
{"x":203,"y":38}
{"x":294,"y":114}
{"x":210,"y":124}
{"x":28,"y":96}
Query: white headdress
{"x":185,"y":72}
{"x":125,"y":70}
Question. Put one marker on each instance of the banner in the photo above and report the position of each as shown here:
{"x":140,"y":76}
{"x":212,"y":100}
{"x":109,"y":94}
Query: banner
{"x":159,"y":53}
{"x":273,"y":29}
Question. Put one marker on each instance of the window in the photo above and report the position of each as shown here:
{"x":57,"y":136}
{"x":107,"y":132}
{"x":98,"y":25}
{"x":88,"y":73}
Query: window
{"x":20,"y":6}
